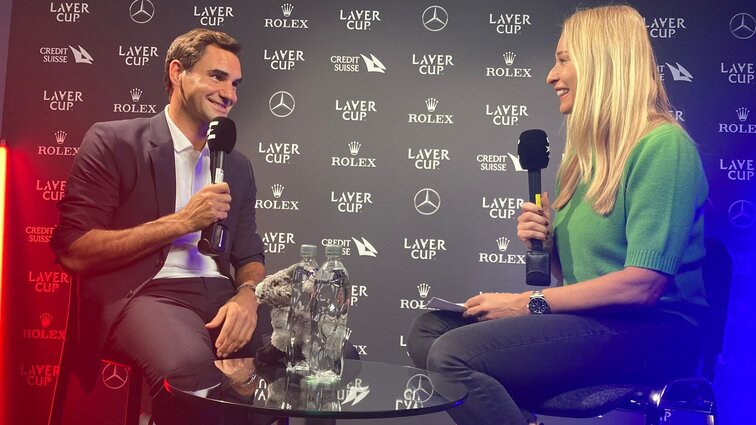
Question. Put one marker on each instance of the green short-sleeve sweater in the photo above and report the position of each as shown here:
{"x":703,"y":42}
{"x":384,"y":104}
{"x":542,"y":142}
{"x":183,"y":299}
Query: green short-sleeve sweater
{"x":656,"y":223}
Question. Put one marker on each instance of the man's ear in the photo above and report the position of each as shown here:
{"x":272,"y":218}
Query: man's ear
{"x":175,"y":70}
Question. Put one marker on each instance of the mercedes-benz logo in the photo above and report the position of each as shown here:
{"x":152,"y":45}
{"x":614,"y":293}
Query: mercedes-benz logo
{"x":115,"y":376}
{"x":427,"y":201}
{"x":141,"y":11}
{"x":742,"y":26}
{"x":419,"y":388}
{"x":742,"y":214}
{"x":281,"y":104}
{"x":435,"y":18}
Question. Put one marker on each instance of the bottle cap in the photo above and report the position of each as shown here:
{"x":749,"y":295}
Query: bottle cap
{"x":309,"y":250}
{"x":332,"y":250}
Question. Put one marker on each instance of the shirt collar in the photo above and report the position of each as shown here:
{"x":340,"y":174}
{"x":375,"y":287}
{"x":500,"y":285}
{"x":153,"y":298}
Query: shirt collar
{"x":181,"y":143}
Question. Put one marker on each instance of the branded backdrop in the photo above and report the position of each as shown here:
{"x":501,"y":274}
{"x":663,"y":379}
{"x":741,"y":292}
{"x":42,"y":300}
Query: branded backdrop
{"x":388,"y":128}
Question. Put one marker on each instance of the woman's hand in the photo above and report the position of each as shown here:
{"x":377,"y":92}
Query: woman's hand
{"x":496,"y":305}
{"x":535,"y":223}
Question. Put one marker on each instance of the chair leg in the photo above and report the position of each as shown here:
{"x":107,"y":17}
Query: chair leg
{"x":654,"y":415}
{"x":133,"y":397}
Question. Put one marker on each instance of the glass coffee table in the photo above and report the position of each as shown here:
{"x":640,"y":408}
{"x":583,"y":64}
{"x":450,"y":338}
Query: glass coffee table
{"x":240,"y":387}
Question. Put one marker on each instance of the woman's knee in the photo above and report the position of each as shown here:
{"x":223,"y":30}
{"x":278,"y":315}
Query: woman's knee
{"x":445,"y":355}
{"x":422,"y":333}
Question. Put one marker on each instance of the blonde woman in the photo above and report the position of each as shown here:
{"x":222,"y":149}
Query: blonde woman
{"x":626,"y":243}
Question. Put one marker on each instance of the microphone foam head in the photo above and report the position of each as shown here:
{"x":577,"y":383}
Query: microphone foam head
{"x":221,"y":134}
{"x":533,"y":149}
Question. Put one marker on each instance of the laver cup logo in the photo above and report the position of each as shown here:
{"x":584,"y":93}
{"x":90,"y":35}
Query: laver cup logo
{"x":665,"y":27}
{"x":39,"y":375}
{"x":355,"y":110}
{"x":283,"y":60}
{"x":433,"y":64}
{"x":213,"y":16}
{"x":277,"y":242}
{"x":68,"y":12}
{"x":359,"y":20}
{"x":509,"y":23}
{"x":502,"y":208}
{"x":738,"y":72}
{"x":51,"y":190}
{"x":424,"y":249}
{"x":48,"y":282}
{"x":137,"y":55}
{"x":738,"y":169}
{"x":506,"y":115}
{"x":62,"y":100}
{"x":278,"y":152}
{"x":427,"y":159}
{"x":351,"y":202}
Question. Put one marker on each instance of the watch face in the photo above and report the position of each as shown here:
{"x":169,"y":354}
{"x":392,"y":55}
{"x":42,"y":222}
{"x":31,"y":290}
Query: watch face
{"x":538,"y":306}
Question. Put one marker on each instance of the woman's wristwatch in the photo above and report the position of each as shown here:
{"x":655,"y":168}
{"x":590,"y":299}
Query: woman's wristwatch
{"x":538,"y":304}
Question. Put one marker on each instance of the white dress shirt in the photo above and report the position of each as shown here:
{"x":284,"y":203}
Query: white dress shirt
{"x":192,"y":174}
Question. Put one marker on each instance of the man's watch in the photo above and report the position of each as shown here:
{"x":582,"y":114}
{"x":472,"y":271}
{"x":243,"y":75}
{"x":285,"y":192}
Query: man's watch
{"x":538,"y":304}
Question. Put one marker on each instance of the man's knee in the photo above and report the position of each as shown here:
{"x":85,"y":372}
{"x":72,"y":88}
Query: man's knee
{"x":156,"y":368}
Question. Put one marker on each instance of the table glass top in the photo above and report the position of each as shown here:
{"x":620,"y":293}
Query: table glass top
{"x":366,"y":389}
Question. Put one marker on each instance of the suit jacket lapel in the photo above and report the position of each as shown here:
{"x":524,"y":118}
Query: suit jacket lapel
{"x":163,"y":164}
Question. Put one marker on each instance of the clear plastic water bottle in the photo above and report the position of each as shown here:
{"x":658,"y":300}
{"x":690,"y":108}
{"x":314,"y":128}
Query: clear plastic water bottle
{"x":299,"y":310}
{"x":330,"y":305}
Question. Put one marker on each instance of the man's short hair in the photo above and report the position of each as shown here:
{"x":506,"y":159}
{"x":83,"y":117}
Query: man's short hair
{"x":188,"y":48}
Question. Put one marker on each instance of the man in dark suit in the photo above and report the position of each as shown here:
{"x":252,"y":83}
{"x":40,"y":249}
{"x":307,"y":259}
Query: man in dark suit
{"x":137,"y":198}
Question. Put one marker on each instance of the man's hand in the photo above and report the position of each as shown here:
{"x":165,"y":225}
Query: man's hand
{"x":239,"y":319}
{"x":208,"y":205}
{"x":495,"y":306}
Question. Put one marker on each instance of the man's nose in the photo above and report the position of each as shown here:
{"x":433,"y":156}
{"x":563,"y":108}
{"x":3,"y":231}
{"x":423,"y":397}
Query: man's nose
{"x":229,"y":95}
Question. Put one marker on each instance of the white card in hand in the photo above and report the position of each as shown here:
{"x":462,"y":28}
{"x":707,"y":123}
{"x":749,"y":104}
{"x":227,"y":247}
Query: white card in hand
{"x":442,"y":304}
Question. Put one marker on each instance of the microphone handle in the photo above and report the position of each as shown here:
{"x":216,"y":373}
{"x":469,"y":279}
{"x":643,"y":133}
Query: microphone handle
{"x":534,"y":186}
{"x":214,"y":237}
{"x":217,"y":163}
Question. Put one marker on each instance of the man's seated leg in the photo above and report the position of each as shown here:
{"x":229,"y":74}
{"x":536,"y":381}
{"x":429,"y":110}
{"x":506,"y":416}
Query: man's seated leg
{"x":163,"y":329}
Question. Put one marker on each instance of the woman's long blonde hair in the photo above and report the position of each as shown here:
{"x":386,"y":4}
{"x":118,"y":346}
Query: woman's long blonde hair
{"x":619,"y":98}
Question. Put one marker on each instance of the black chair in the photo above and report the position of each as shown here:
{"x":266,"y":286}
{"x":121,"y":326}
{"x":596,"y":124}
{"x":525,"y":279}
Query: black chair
{"x":694,"y":394}
{"x":119,"y":396}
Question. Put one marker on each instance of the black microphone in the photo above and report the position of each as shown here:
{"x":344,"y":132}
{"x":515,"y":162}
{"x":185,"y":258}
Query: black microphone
{"x":221,"y":138}
{"x":533,"y":153}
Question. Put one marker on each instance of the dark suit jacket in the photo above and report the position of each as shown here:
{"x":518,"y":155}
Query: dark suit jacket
{"x":124,"y":175}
